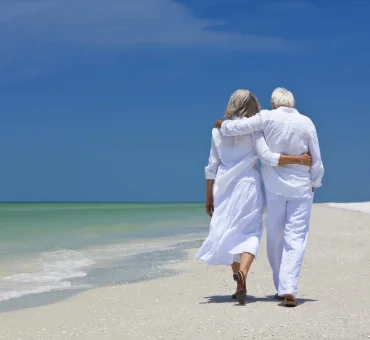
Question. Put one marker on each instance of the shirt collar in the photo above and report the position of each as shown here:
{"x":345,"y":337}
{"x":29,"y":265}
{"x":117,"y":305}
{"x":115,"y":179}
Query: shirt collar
{"x":287,"y":109}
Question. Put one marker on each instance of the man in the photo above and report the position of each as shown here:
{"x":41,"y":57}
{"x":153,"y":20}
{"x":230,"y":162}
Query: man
{"x":289,"y":190}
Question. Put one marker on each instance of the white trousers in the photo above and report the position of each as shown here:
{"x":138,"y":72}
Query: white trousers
{"x":287,"y":227}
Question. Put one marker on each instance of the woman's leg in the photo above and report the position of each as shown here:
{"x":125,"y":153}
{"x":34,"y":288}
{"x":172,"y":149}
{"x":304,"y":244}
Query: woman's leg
{"x":235,"y":268}
{"x":246,"y":260}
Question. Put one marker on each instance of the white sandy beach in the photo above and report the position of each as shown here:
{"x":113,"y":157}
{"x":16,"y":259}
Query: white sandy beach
{"x":361,"y":206}
{"x":334,"y":298}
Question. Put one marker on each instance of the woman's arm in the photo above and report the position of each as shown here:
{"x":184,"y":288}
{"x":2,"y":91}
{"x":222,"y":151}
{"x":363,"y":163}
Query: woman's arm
{"x":209,"y":197}
{"x":211,"y":172}
{"x":275,"y":159}
{"x":300,"y":160}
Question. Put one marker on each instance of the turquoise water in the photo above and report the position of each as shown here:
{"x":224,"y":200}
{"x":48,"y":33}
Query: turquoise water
{"x":39,"y":227}
{"x":45,"y":245}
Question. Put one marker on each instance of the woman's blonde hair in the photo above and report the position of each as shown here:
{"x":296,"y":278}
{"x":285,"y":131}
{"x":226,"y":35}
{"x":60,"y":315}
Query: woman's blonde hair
{"x":242,"y":103}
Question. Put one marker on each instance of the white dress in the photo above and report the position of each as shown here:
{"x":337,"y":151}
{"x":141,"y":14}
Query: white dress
{"x":236,"y":224}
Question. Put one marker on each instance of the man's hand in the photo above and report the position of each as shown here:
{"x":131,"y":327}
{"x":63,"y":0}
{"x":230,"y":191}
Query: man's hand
{"x":209,"y":206}
{"x":218,"y":124}
{"x":306,"y":159}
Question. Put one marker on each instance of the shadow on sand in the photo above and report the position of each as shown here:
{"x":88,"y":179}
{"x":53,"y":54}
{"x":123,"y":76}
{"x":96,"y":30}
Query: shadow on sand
{"x":250,"y":299}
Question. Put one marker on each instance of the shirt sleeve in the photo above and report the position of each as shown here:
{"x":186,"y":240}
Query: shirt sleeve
{"x":243,"y":126}
{"x":213,"y":162}
{"x":317,"y":168}
{"x":263,"y":151}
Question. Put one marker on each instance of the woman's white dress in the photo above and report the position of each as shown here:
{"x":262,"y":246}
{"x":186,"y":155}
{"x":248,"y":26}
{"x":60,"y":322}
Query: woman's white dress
{"x":236,"y":225}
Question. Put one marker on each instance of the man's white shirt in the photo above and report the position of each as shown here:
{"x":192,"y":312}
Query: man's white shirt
{"x":287,"y":132}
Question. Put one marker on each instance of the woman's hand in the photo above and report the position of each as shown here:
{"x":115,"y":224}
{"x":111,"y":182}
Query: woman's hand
{"x":306,"y":159}
{"x":209,"y":205}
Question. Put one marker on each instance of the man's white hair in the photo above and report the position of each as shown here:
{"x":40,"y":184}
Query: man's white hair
{"x":243,"y":103}
{"x":282,"y":97}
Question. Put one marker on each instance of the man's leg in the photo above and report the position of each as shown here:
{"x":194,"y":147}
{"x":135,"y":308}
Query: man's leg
{"x":275,"y":224}
{"x":295,"y":240}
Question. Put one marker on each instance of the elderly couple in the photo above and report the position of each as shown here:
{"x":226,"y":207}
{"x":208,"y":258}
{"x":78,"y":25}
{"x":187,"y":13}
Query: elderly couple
{"x":286,"y":143}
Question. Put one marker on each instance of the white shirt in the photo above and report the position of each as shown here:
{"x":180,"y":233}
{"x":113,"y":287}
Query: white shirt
{"x":289,"y":133}
{"x":228,"y":152}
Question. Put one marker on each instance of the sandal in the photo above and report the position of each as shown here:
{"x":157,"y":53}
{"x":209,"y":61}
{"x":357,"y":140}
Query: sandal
{"x":290,"y":303}
{"x":241,"y":295}
{"x":234,"y":295}
{"x":278,"y":297}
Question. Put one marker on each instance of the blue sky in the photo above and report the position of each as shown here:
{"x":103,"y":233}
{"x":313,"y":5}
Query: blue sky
{"x":115,"y":100}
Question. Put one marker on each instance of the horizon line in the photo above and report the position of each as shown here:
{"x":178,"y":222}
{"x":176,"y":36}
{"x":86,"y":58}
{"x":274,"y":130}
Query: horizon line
{"x":36,"y":202}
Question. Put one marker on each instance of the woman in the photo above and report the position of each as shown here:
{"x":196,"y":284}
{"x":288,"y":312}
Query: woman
{"x":234,"y":198}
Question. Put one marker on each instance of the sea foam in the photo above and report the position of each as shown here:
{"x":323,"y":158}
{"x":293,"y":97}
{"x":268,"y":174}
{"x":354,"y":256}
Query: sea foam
{"x":54,"y":270}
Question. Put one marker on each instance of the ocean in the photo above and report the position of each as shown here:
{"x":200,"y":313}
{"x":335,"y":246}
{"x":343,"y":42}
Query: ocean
{"x":53,"y":247}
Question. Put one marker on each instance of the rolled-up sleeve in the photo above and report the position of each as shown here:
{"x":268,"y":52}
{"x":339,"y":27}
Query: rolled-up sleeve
{"x":213,"y":163}
{"x":263,"y":151}
{"x":243,"y":126}
{"x":317,"y":168}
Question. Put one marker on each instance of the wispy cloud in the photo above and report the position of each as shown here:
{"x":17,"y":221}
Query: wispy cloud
{"x":30,"y":27}
{"x":115,"y":22}
{"x":297,"y":5}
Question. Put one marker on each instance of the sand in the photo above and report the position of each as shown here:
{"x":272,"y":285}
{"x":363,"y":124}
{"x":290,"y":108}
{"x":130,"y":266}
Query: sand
{"x":362,"y":206}
{"x":195,"y":304}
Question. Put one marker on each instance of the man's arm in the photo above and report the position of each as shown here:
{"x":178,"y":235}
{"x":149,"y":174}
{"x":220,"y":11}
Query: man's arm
{"x":240,"y":127}
{"x":274,"y":159}
{"x":317,"y":168}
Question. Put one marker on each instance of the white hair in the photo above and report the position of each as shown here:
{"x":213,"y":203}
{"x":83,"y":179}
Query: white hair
{"x":242,"y":103}
{"x":282,"y":97}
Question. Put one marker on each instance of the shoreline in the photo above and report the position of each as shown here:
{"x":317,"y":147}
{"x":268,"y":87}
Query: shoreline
{"x":195,"y":303}
{"x":116,"y":270}
{"x":54,"y":247}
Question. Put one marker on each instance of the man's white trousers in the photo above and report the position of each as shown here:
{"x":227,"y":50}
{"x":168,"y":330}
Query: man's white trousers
{"x":287,"y":228}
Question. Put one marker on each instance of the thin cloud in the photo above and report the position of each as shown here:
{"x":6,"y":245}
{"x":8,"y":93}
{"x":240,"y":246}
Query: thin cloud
{"x":298,"y":5}
{"x":33,"y":27}
{"x":115,"y":22}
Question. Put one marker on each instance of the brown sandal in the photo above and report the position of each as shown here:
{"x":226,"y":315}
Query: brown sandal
{"x":241,"y":295}
{"x":278,"y":297}
{"x":290,"y":303}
